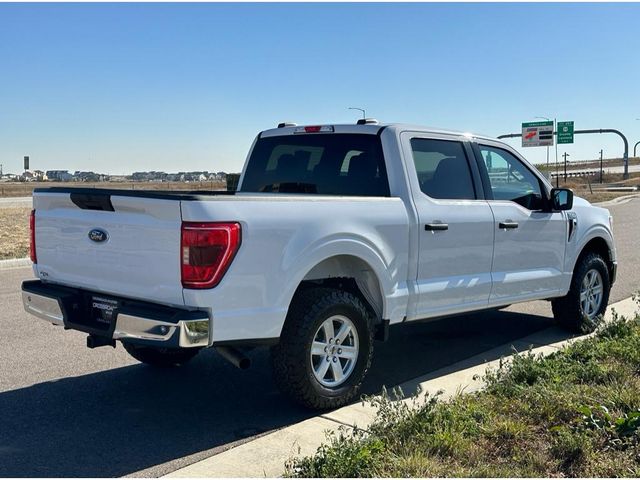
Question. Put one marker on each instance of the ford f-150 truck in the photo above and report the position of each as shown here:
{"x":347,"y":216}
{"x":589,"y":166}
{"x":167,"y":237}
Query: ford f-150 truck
{"x":335,"y":233}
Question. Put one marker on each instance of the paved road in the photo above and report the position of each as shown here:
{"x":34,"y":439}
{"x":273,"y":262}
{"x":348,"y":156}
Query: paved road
{"x":616,"y":169}
{"x":15,"y":202}
{"x":70,"y":411}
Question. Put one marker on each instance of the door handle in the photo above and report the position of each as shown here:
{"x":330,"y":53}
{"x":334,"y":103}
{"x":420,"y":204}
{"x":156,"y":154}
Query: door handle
{"x":508,"y":224}
{"x":432,"y":227}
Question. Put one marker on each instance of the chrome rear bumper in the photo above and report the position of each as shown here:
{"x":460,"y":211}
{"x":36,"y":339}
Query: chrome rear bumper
{"x":189,"y":333}
{"x":43,"y":307}
{"x":135,"y":322}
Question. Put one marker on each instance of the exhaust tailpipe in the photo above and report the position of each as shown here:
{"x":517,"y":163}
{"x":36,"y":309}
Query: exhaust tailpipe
{"x":234,"y":356}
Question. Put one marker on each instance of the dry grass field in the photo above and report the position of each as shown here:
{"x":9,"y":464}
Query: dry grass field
{"x":25,"y":189}
{"x":590,"y":191}
{"x":14,"y":232}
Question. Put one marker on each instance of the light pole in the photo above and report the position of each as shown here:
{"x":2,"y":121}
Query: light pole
{"x":634,"y":147}
{"x":600,"y":165}
{"x":554,"y":127}
{"x":364,"y":113}
{"x":565,"y":166}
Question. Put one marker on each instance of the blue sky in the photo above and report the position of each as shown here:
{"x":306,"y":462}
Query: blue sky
{"x":124,"y":87}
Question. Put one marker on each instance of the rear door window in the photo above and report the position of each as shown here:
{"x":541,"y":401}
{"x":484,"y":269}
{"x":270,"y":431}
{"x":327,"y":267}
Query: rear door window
{"x":323,"y":164}
{"x":443,"y":169}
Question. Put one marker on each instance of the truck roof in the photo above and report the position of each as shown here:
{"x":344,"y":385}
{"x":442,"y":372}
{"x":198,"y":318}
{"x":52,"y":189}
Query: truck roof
{"x":371,"y":128}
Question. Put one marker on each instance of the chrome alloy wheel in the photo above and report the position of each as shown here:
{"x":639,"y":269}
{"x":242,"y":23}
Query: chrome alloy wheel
{"x":334,"y":351}
{"x":591,"y":291}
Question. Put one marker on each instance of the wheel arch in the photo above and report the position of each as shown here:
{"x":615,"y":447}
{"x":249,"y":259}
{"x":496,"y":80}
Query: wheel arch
{"x":350,"y":273}
{"x":598,"y":244}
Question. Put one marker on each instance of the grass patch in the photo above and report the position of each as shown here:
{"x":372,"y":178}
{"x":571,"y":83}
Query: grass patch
{"x":14,"y":232}
{"x":573,"y":413}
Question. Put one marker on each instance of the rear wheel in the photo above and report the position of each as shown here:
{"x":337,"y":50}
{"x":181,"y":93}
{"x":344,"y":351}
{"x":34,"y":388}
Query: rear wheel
{"x":325,"y":348}
{"x":160,"y":357}
{"x":581,"y":310}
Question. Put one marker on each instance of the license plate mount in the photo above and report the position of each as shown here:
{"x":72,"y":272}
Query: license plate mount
{"x":103,"y":311}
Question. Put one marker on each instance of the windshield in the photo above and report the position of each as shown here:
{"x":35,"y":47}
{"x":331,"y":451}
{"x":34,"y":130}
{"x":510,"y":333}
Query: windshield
{"x":323,"y":164}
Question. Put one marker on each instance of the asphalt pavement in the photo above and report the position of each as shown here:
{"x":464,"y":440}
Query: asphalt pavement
{"x":6,"y":202}
{"x":71,"y":411}
{"x":607,"y":169}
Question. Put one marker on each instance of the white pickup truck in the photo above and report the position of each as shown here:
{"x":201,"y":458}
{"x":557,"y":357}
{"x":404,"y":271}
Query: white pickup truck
{"x":335,"y":233}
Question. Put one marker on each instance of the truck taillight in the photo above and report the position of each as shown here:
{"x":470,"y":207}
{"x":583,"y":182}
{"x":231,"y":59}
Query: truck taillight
{"x":206,"y":251}
{"x":32,"y":236}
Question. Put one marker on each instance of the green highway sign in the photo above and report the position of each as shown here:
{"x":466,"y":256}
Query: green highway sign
{"x":565,"y":132}
{"x":537,"y":134}
{"x":538,"y":124}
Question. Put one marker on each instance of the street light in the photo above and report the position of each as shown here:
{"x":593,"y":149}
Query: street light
{"x":634,"y":147}
{"x":361,"y":109}
{"x":601,"y":165}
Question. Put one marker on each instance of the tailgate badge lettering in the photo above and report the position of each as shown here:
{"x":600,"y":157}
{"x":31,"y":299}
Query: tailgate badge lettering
{"x":98,"y":235}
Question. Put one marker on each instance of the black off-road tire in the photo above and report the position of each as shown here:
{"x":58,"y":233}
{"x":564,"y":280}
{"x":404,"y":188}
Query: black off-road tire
{"x":290,"y":358}
{"x":568,"y":311}
{"x":160,"y":357}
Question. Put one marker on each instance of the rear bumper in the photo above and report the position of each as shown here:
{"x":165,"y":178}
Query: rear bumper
{"x":132,"y":321}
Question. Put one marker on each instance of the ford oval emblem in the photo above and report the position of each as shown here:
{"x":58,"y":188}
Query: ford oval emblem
{"x":97,"y":235}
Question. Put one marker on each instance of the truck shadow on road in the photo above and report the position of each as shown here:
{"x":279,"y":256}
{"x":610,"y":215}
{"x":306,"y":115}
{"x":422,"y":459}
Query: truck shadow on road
{"x":129,"y":419}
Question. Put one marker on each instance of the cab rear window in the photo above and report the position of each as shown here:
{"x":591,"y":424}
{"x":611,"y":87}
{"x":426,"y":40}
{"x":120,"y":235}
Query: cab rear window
{"x":322,"y":164}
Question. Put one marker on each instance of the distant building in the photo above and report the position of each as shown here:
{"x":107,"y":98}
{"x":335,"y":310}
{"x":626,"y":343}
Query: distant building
{"x":89,"y":177}
{"x":152,"y":176}
{"x":40,"y":176}
{"x":9,"y":177}
{"x":119,"y":178}
{"x":59,"y":175}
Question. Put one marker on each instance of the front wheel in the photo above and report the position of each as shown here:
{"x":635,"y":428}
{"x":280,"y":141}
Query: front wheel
{"x":325,"y":348}
{"x":581,"y":310}
{"x":160,"y":357}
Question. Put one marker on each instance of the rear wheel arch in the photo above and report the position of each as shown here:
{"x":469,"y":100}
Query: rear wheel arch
{"x":352,"y":274}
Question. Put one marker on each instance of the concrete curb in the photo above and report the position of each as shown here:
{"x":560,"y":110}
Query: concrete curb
{"x":266,"y":455}
{"x":15,"y":263}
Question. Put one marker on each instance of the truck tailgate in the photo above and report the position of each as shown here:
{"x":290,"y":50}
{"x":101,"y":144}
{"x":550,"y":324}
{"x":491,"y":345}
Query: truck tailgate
{"x":139,"y":257}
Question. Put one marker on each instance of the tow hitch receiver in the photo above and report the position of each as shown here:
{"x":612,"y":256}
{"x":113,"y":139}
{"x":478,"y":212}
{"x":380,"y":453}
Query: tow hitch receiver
{"x":94,"y":341}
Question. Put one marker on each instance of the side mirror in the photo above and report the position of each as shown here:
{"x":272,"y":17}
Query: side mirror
{"x":561,"y":199}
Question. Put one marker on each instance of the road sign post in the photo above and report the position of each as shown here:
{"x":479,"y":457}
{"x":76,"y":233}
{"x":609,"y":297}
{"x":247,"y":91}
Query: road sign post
{"x":537,"y":134}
